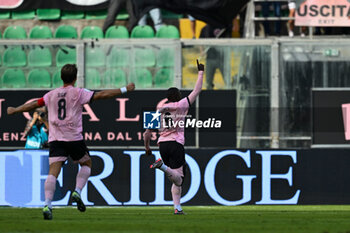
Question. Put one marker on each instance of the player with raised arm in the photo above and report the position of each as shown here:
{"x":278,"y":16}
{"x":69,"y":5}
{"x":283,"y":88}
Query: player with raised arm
{"x":65,"y":106}
{"x":172,"y":139}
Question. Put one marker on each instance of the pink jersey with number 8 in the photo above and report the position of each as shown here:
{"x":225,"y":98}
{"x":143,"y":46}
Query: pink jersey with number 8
{"x":65,"y":107}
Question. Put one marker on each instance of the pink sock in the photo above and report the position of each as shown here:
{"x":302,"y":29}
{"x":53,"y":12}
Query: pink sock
{"x":82,"y":177}
{"x":176,"y":194}
{"x":50,"y":186}
{"x":175,"y":175}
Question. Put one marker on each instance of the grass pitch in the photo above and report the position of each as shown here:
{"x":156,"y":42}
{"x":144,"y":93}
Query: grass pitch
{"x":240,"y":219}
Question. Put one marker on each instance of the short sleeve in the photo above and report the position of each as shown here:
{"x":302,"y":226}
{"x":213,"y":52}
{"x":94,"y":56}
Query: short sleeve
{"x":46,"y":98}
{"x":85,"y":96}
{"x":41,"y":102}
{"x":184,"y":103}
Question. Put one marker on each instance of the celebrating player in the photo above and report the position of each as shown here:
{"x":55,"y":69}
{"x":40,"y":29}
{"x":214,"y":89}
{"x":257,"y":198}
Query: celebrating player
{"x":65,"y":106}
{"x":172,"y":139}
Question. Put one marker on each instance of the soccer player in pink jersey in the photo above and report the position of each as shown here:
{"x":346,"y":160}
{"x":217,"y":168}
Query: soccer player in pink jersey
{"x":172,"y":139}
{"x":65,"y":106}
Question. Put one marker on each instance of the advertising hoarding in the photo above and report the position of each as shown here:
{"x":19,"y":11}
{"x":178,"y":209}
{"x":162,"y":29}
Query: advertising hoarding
{"x":119,"y":121}
{"x":330,"y":114}
{"x":214,"y":177}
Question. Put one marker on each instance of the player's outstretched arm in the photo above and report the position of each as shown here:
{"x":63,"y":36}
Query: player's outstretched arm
{"x":107,"y":94}
{"x":23,"y":108}
{"x":198,"y":87}
{"x":146,"y":139}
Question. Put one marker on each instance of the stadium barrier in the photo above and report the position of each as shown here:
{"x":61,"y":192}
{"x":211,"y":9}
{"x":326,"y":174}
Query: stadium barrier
{"x":274,"y":74}
{"x":214,"y":177}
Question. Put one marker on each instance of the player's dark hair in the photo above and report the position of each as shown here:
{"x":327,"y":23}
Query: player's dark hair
{"x":173,"y":94}
{"x":69,"y":73}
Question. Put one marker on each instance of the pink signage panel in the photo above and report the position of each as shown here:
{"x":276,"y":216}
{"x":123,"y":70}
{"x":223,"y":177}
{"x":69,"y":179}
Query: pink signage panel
{"x":323,"y":13}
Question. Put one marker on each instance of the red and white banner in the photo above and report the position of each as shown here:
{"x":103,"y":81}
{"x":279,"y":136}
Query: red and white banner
{"x":323,"y":13}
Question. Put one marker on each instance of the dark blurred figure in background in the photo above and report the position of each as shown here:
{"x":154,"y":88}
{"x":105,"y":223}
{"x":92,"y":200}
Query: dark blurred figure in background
{"x":323,"y":31}
{"x":156,"y":16}
{"x":193,"y":25}
{"x":292,"y":9}
{"x":114,"y":8}
{"x":242,"y":14}
{"x":216,"y":55}
{"x":277,"y":13}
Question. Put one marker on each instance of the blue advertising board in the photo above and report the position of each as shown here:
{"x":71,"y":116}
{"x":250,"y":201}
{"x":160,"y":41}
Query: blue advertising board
{"x":214,"y":177}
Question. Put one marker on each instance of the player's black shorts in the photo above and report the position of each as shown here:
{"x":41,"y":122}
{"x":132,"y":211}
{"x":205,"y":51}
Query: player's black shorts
{"x":76,"y":149}
{"x":173,"y":154}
